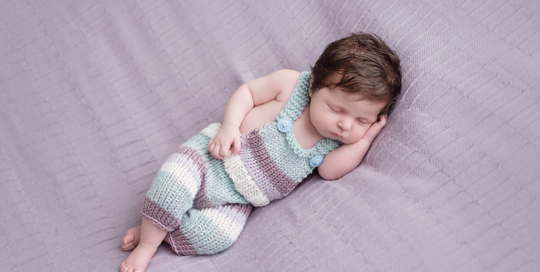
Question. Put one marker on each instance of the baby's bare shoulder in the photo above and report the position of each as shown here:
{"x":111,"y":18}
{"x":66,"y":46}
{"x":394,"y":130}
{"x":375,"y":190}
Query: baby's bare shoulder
{"x":287,"y":80}
{"x":288,"y":73}
{"x":287,"y":76}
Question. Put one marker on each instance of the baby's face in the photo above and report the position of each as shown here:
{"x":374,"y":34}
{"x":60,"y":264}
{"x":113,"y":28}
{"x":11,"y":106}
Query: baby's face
{"x":341,"y":116}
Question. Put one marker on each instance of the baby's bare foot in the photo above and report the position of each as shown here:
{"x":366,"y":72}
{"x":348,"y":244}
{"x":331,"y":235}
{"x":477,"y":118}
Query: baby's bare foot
{"x":132,"y":238}
{"x":138,"y":260}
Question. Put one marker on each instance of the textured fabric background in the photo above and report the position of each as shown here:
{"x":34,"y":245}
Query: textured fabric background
{"x":94,"y":96}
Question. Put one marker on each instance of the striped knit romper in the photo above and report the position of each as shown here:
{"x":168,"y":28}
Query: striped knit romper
{"x":203,"y":203}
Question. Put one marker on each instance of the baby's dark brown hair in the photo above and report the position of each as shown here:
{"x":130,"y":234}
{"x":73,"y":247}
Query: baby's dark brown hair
{"x":364,"y":66}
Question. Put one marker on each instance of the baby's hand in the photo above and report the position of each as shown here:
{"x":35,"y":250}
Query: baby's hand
{"x":374,"y":130}
{"x":220,"y":145}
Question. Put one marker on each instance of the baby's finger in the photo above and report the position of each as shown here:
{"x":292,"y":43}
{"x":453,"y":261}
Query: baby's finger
{"x":236,"y":145}
{"x":215,"y":152}
{"x":382,"y":122}
{"x":225,"y":150}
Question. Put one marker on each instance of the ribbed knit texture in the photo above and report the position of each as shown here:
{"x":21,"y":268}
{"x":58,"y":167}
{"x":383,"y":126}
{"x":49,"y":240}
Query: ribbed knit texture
{"x":203,"y":202}
{"x":272,"y":163}
{"x":190,"y":199}
{"x":94,"y":93}
{"x":209,"y":230}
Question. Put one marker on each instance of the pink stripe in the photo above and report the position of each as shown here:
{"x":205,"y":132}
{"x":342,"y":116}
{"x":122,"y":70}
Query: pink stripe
{"x":180,"y":244}
{"x":200,"y":200}
{"x":158,"y":215}
{"x":264,"y":164}
{"x":259,"y":177}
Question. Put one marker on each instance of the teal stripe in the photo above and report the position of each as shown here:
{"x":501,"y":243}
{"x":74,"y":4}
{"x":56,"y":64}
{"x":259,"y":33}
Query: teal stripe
{"x":220,"y":187}
{"x":289,"y":163}
{"x":170,"y":194}
{"x":203,"y":234}
{"x":290,"y":157}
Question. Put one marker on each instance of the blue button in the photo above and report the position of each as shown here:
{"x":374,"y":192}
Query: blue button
{"x":315,"y":161}
{"x":284,"y":125}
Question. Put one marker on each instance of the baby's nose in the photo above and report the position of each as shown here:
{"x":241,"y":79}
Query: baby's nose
{"x":344,"y":125}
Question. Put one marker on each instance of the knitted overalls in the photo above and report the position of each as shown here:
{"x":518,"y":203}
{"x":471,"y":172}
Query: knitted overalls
{"x":204,"y":203}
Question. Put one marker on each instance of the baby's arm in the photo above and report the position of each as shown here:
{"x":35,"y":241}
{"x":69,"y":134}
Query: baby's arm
{"x":344,"y":159}
{"x":276,"y":86}
{"x":240,"y":103}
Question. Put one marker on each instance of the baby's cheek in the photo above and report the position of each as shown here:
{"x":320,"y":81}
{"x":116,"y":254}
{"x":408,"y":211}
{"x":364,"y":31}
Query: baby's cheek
{"x":359,"y":134}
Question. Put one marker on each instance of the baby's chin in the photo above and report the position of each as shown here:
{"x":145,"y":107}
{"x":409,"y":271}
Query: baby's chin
{"x":346,"y":141}
{"x":339,"y":138}
{"x":332,"y":136}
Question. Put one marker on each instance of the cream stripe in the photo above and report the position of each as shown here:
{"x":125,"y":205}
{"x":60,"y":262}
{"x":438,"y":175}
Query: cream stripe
{"x":211,"y":130}
{"x":243,"y":182}
{"x":225,"y":223}
{"x":239,"y":174}
{"x":183,"y":176}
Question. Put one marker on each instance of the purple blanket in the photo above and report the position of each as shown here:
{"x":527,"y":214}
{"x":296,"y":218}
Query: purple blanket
{"x":94,"y":96}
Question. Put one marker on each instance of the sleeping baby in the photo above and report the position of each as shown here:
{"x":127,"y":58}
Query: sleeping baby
{"x":276,"y":130}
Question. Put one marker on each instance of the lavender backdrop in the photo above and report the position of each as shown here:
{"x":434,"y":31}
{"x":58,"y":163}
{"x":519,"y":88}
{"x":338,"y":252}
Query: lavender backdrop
{"x":94,"y":95}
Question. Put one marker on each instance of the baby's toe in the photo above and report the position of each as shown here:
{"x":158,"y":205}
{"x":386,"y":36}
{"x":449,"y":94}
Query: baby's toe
{"x":128,"y":238}
{"x":125,"y":268}
{"x":128,"y":246}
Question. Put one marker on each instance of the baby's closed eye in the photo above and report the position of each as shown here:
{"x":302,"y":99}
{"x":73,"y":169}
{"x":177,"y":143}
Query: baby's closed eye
{"x":334,"y":109}
{"x":363,"y":121}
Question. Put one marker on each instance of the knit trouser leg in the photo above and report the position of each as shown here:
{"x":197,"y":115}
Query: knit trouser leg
{"x":174,"y":188}
{"x":209,"y":230}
